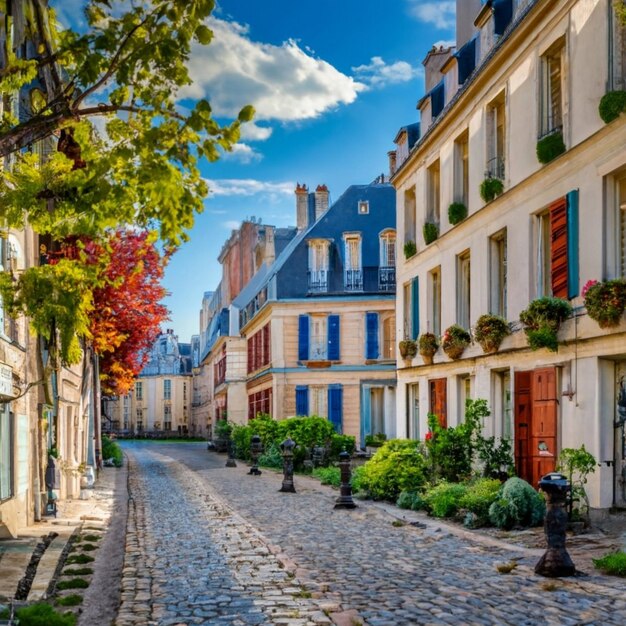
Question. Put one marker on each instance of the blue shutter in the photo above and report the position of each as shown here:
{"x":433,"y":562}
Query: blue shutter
{"x":334,"y":339}
{"x":366,"y":413}
{"x":335,"y":406}
{"x":502,"y":15}
{"x":437,"y":99}
{"x":466,"y":60}
{"x":415,"y":308}
{"x":573,"y":279}
{"x":302,"y":400}
{"x":371,"y":334}
{"x":303,"y":338}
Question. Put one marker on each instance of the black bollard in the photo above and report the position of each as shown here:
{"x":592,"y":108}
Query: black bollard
{"x":556,"y":562}
{"x":256,"y":448}
{"x":230,"y":462}
{"x":345,"y":501}
{"x":287,"y":448}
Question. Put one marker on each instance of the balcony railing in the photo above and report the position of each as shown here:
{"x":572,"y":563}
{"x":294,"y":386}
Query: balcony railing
{"x":387,"y":278}
{"x":353,"y":280}
{"x":495,"y":168}
{"x":318,"y":281}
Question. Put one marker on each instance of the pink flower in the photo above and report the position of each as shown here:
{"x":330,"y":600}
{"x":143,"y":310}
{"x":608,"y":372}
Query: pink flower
{"x":429,"y":436}
{"x":588,"y":285}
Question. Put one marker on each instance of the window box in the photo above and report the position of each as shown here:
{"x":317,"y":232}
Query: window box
{"x":612,"y":105}
{"x":431,"y":232}
{"x":490,"y":188}
{"x":550,"y":147}
{"x":457,"y":212}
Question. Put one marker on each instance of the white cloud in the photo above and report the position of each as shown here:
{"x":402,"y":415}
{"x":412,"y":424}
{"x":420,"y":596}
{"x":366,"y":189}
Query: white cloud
{"x":282,"y":82}
{"x":231,"y":224}
{"x":252,"y":132}
{"x":248,"y":187}
{"x":377,"y":73}
{"x":242,"y":153}
{"x":441,"y":14}
{"x":443,"y":43}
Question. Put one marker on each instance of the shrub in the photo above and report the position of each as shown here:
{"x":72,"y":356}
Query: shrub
{"x":496,"y":458}
{"x":480,"y":495}
{"x":577,"y":464}
{"x":613,"y":563}
{"x":73,"y":583}
{"x":398,"y":465}
{"x":489,"y":332}
{"x":271,"y":457}
{"x":223,"y":429}
{"x":517,"y":504}
{"x":454,"y":341}
{"x":375,"y":441}
{"x":81,"y":559}
{"x":410,"y":249}
{"x":43,"y":615}
{"x":490,"y":188}
{"x":241,"y":437}
{"x":405,"y":499}
{"x":90,"y":537}
{"x":328,"y":475}
{"x":80,"y":571}
{"x":457,"y":212}
{"x":542,"y":320}
{"x":112,"y":451}
{"x":431,"y":232}
{"x":72,"y":600}
{"x":428,"y":344}
{"x":356,"y":480}
{"x":444,"y":499}
{"x":339,"y":443}
{"x":550,"y":147}
{"x":408,"y":348}
{"x":612,"y":105}
{"x":605,"y":301}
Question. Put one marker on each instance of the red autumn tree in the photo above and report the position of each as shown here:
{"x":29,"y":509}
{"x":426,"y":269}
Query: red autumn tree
{"x":127,"y":313}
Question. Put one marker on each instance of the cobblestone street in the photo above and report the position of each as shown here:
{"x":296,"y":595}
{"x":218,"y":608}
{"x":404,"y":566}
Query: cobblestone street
{"x":211,"y":545}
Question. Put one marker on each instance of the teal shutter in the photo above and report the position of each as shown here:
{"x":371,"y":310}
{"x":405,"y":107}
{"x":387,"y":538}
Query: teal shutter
{"x":335,"y":406}
{"x":573,"y":265}
{"x":366,"y":413}
{"x":371,"y":336}
{"x":303,"y":338}
{"x":334,"y":339}
{"x":302,"y":400}
{"x":415,"y":308}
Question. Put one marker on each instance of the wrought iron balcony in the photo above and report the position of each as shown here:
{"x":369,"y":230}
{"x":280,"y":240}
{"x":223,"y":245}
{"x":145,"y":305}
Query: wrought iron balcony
{"x":318,"y":281}
{"x":495,"y":168}
{"x":353,"y":280}
{"x":387,"y":279}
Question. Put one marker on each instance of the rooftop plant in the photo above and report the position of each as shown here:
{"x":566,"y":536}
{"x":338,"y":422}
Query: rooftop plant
{"x":550,"y":147}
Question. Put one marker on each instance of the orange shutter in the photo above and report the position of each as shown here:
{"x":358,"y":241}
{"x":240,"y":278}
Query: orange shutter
{"x":558,"y":252}
{"x":544,"y":423}
{"x":439,"y":400}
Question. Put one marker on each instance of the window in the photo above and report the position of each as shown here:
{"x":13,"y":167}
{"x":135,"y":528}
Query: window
{"x":498,"y":274}
{"x":389,"y":338}
{"x":139,"y":419}
{"x":409,"y":215}
{"x":259,"y":350}
{"x":461,"y":169}
{"x":616,"y":229}
{"x":434,"y":323}
{"x":552,"y":89}
{"x":496,"y":137}
{"x":617,"y":53}
{"x":387,"y":267}
{"x":463,"y":290}
{"x":319,"y":338}
{"x":318,"y":400}
{"x":433,"y":207}
{"x":465,"y":393}
{"x":219,"y":370}
{"x":318,"y":265}
{"x":413,"y":411}
{"x":139,"y":391}
{"x":6,"y":453}
{"x":502,"y":403}
{"x":167,"y":389}
{"x":544,"y":266}
{"x":167,"y":417}
{"x":364,"y":207}
{"x":260,"y":402}
{"x":353,"y":271}
{"x":411,"y":309}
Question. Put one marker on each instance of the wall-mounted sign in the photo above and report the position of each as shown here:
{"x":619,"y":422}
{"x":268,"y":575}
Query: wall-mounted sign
{"x":6,"y":381}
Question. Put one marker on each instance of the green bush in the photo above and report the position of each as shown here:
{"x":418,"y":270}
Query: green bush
{"x":241,"y":437}
{"x":339,"y":443}
{"x":613,"y":563}
{"x":72,"y":600}
{"x":375,"y":441}
{"x":43,"y":615}
{"x":410,"y":249}
{"x":5,"y":613}
{"x":73,"y":583}
{"x":430,"y":232}
{"x":411,"y":500}
{"x":328,"y":475}
{"x":457,"y":212}
{"x":517,"y":504}
{"x":490,"y":188}
{"x":80,"y":571}
{"x":550,"y":147}
{"x":357,"y":480}
{"x":444,"y":500}
{"x":496,"y":457}
{"x":398,"y":465}
{"x":81,"y":559}
{"x":271,"y":457}
{"x":112,"y":450}
{"x":479,"y":497}
{"x":612,"y":105}
{"x":542,"y":320}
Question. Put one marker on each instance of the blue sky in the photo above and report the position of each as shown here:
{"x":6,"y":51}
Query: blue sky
{"x":332,"y":81}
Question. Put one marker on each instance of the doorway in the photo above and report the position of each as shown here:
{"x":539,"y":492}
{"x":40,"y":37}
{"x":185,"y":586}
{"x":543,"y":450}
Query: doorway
{"x":619,"y":459}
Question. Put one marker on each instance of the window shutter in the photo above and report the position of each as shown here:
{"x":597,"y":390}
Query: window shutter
{"x":250,"y":354}
{"x":334,"y":338}
{"x":558,"y":251}
{"x":371,"y":332}
{"x":302,"y":400}
{"x":335,"y":406}
{"x":573,"y":278}
{"x":415,"y":308}
{"x":303,"y":338}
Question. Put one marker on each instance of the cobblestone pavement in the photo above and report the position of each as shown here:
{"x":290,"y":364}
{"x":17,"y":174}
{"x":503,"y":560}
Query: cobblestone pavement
{"x":215,"y":546}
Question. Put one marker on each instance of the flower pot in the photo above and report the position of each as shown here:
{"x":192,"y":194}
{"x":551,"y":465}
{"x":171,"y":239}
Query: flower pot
{"x":408,"y":349}
{"x":454,"y":352}
{"x":609,"y":321}
{"x":489,"y":345}
{"x":428,"y":358}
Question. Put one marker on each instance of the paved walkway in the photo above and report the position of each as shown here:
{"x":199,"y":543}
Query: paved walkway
{"x":211,"y":545}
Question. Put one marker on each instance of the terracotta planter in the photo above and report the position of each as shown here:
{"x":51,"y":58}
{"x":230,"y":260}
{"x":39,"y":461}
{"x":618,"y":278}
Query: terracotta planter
{"x":454,"y":352}
{"x":408,"y":349}
{"x":427,"y":358}
{"x":490,"y":346}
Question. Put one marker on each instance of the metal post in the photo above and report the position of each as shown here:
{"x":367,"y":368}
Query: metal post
{"x":345,"y":501}
{"x":230,"y":462}
{"x":287,"y":448}
{"x":256,"y":447}
{"x":556,"y":562}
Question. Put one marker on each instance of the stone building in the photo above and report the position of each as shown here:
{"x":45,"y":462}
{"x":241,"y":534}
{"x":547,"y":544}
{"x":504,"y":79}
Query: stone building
{"x":524,"y":74}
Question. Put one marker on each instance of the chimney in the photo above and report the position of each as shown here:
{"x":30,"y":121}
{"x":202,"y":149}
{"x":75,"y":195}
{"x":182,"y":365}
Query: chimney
{"x":466,"y":13}
{"x":302,"y":206}
{"x":321,"y":200}
{"x":392,"y":162}
{"x":434,"y":61}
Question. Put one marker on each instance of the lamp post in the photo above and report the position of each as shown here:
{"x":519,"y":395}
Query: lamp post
{"x":287,"y":448}
{"x":345,"y":501}
{"x":256,"y":448}
{"x":556,"y":562}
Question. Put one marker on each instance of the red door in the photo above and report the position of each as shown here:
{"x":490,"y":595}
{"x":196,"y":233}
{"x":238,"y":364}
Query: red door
{"x":523,"y":417}
{"x":439,"y":400}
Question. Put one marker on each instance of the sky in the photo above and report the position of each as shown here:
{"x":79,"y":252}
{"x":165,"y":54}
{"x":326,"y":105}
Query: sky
{"x":332,"y":81}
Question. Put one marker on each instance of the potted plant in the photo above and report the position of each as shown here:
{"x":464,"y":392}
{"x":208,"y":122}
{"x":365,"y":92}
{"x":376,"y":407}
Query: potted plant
{"x":408,"y":348}
{"x":431,"y":232}
{"x":454,"y":341}
{"x":428,"y":345}
{"x":542,"y":320}
{"x":223,"y":431}
{"x":605,"y":301}
{"x":489,"y":332}
{"x":457,"y":212}
{"x":612,"y":105}
{"x":550,"y":147}
{"x":410,"y":249}
{"x":490,"y":188}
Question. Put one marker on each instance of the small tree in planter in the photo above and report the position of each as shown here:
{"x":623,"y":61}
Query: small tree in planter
{"x":431,"y":232}
{"x":605,"y":301}
{"x":489,"y":332}
{"x":410,"y":249}
{"x":550,"y":147}
{"x":457,"y":212}
{"x":454,"y":341}
{"x":490,"y":188}
{"x":428,"y":345}
{"x":577,"y":464}
{"x":542,"y":320}
{"x":612,"y":105}
{"x":408,"y":348}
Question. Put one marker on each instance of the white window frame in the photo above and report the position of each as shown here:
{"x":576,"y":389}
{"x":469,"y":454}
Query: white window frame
{"x":318,"y":343}
{"x":319,"y":252}
{"x":388,"y":337}
{"x":167,"y":389}
{"x":543,"y":255}
{"x":387,"y":248}
{"x":410,"y":216}
{"x":318,"y":400}
{"x":498,"y":283}
{"x":553,"y":112}
{"x":434,"y":300}
{"x":433,"y":192}
{"x":139,"y":391}
{"x":496,"y":137}
{"x":464,"y":289}
{"x":461,"y":168}
{"x":353,"y":265}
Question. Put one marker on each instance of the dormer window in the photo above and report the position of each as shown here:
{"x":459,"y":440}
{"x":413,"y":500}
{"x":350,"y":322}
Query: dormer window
{"x":318,"y":265}
{"x":363,"y":207}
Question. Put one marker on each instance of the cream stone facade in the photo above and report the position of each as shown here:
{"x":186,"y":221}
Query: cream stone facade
{"x":544,"y":74}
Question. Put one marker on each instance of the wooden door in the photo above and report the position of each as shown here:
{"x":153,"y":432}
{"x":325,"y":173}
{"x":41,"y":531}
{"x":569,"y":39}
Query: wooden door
{"x":439,"y":400}
{"x":543,"y":442}
{"x":523,"y":417}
